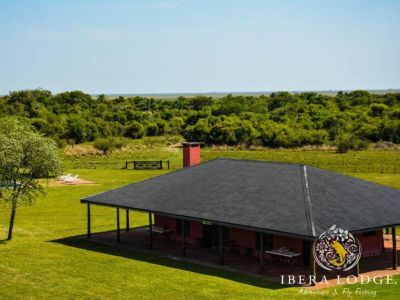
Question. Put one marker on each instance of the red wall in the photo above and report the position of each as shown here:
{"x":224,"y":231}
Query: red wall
{"x":196,"y":232}
{"x":167,"y":223}
{"x":248,"y":239}
{"x":295,"y":245}
{"x":371,"y":243}
{"x":196,"y":229}
{"x":243,"y":239}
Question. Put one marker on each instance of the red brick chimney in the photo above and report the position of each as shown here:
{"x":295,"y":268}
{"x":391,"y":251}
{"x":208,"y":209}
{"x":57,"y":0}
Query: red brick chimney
{"x":191,"y":154}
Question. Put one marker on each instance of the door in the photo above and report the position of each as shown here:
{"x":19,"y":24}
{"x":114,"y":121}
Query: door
{"x":207,"y":235}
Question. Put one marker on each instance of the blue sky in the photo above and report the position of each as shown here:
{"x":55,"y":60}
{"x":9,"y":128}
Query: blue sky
{"x":166,"y":46}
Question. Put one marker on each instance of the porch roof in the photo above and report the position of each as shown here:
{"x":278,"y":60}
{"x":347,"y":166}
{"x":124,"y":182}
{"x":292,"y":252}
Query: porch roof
{"x":266,"y":196}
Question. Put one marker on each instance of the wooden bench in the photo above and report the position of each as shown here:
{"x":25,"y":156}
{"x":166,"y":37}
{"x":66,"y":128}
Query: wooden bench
{"x":146,"y":164}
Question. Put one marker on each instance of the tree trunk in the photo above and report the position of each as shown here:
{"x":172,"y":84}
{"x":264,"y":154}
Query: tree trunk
{"x":10,"y":228}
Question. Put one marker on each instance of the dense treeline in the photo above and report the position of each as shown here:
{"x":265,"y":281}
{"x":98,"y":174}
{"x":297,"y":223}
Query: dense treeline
{"x":278,"y":120}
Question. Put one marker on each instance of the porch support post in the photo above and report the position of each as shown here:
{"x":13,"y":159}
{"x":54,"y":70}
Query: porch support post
{"x":357,"y":269}
{"x":387,"y":230}
{"x":150,"y":231}
{"x":88,"y":221}
{"x":313,"y":269}
{"x":118,"y":227}
{"x":183,"y":234}
{"x":221,"y":245}
{"x":394,"y":263}
{"x":127,"y":220}
{"x":262,"y":259}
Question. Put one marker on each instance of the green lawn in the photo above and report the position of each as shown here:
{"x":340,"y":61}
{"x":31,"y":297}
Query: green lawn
{"x":35,"y":266}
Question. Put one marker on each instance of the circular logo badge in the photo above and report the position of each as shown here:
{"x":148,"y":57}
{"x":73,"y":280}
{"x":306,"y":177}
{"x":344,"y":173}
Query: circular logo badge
{"x":337,"y":250}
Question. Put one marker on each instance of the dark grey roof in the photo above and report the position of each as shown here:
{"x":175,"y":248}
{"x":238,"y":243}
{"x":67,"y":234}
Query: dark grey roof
{"x":267,"y":196}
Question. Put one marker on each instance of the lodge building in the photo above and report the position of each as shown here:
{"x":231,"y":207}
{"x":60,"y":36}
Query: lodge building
{"x":256,"y":207}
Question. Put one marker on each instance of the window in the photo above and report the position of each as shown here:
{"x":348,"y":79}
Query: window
{"x":179,"y":227}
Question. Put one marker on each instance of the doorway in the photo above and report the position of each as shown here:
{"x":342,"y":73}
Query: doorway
{"x":207,"y":236}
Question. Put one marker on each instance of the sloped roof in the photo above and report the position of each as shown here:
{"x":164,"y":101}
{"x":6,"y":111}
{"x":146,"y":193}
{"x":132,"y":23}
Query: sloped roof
{"x":267,"y":196}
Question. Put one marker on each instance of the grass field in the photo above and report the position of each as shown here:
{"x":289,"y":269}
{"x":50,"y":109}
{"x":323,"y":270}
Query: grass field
{"x":155,"y":148}
{"x":37,"y":265}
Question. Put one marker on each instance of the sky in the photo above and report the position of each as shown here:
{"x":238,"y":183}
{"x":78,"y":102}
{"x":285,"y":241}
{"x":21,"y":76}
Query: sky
{"x":182,"y":46}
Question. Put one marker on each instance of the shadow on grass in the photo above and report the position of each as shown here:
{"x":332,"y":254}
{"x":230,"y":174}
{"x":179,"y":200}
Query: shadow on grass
{"x":82,"y":243}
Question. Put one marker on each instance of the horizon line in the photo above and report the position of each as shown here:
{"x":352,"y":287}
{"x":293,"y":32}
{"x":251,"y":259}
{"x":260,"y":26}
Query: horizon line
{"x":266,"y":92}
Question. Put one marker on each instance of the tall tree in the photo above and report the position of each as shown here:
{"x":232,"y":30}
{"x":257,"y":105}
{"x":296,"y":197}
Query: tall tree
{"x":25,"y":157}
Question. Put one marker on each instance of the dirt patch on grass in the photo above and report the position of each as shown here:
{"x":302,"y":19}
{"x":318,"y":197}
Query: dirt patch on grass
{"x":56,"y":183}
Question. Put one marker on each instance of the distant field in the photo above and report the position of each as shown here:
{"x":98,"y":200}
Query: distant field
{"x":351,"y":162}
{"x":369,"y":161}
{"x":222,"y":94}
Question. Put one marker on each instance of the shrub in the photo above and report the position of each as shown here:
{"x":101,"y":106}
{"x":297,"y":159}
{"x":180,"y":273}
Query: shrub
{"x":152,"y":129}
{"x":135,"y":130}
{"x":107,"y":145}
{"x":345,"y":142}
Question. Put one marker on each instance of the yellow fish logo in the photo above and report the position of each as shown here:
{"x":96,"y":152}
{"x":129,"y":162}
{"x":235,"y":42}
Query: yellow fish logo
{"x":337,"y":249}
{"x":341,"y":252}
